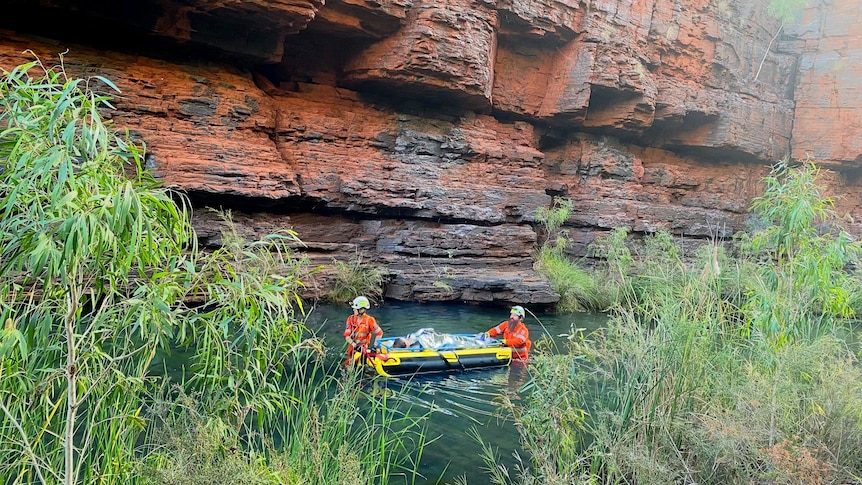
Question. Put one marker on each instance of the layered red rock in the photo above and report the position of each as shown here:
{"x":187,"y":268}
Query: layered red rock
{"x":423,"y":136}
{"x":206,"y":128}
{"x":422,"y":260}
{"x":363,"y":159}
{"x":361,"y":18}
{"x":828,"y":117}
{"x":445,"y":48}
{"x":242,"y":29}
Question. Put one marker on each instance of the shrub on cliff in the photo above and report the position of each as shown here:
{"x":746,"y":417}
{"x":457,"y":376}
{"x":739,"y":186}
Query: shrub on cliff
{"x":354,"y":278}
{"x":577,"y":288}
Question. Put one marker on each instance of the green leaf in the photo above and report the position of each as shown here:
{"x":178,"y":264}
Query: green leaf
{"x":108,"y":83}
{"x":12,"y":338}
{"x":82,"y":238}
{"x":60,"y":109}
{"x":69,"y":197}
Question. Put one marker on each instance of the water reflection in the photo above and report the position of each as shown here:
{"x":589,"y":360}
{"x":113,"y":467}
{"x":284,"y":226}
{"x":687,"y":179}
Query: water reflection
{"x":456,"y":402}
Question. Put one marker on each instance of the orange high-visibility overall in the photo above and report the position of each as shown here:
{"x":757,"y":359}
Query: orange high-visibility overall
{"x":518,"y":338}
{"x":360,"y":328}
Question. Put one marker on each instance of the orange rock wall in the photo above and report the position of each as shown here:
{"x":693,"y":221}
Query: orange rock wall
{"x":424,"y":135}
{"x":828,"y":116}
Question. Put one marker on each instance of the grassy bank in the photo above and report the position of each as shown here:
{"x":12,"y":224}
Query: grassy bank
{"x":734,"y":365}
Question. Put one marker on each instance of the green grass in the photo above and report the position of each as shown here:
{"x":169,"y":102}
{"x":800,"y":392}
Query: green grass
{"x":354,"y":278}
{"x":332,"y":431}
{"x":577,"y":288}
{"x":729,"y":366}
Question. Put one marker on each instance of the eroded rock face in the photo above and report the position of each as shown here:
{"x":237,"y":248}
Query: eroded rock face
{"x":445,"y":48}
{"x":828,"y":117}
{"x":423,"y":135}
{"x":204,"y":127}
{"x":376,"y":161}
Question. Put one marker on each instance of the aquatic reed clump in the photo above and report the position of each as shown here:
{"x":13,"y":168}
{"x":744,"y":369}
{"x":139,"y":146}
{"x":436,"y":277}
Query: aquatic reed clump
{"x":577,"y":287}
{"x":353,"y":278}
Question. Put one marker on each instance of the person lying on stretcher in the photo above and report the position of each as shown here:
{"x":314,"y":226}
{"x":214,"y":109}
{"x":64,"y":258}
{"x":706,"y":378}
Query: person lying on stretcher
{"x":428,"y":338}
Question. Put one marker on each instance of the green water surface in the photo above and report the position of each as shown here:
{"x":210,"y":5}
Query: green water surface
{"x":456,"y":402}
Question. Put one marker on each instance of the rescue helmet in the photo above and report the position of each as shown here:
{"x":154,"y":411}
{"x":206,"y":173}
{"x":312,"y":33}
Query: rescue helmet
{"x":360,"y":302}
{"x":517,"y":310}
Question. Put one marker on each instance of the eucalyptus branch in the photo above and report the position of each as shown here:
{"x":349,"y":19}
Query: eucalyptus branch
{"x":71,"y":386}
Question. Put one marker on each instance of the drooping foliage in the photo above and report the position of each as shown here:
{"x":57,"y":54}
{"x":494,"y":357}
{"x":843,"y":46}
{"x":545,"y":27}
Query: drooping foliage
{"x":101,"y":281}
{"x":576,"y":287}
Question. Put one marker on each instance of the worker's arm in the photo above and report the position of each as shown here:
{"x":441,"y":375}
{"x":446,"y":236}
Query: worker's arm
{"x":348,"y":331}
{"x":376,"y":335}
{"x":496,"y":331}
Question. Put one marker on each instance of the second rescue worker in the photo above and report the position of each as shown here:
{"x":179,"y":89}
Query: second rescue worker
{"x":515,"y":333}
{"x":361,"y":329}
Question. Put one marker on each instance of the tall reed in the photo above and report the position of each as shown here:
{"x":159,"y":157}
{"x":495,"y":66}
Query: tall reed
{"x":576,"y":287}
{"x":336,"y":429}
{"x":713,"y":369}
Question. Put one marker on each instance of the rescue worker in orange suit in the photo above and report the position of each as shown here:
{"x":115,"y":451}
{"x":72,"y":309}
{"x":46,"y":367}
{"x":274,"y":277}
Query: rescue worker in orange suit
{"x":361,"y":330}
{"x":515,"y":334}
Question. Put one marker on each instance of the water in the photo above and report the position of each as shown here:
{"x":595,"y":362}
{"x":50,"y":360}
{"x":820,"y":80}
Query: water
{"x":460,"y":404}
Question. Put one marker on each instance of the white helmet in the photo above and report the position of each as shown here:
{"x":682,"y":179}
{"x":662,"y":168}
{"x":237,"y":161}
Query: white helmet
{"x":517,"y":310}
{"x":360,"y":302}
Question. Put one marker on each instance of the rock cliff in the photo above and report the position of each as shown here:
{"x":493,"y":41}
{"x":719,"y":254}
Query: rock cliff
{"x":423,"y":135}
